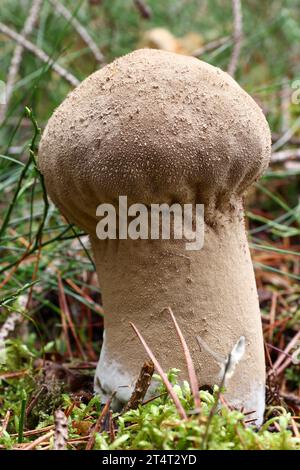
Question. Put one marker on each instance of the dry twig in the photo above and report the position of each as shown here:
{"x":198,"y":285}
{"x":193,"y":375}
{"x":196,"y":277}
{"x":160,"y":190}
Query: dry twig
{"x":143,"y":9}
{"x":66,"y":312}
{"x":100,"y":423}
{"x":34,"y":400}
{"x":285,"y":101}
{"x":83,"y":33}
{"x":210,"y":46}
{"x":40,"y":54}
{"x":282,"y":363}
{"x":285,"y":155}
{"x":18,"y":53}
{"x":286,"y":137}
{"x":293,"y":140}
{"x":112,"y":430}
{"x":34,"y":432}
{"x":237,"y":36}
{"x":38,"y":441}
{"x":141,"y":387}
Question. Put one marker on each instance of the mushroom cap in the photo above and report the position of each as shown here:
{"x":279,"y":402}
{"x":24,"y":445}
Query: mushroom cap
{"x":157,"y":127}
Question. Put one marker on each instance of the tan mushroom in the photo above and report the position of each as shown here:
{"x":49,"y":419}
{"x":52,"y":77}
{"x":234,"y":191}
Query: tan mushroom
{"x":162,"y":128}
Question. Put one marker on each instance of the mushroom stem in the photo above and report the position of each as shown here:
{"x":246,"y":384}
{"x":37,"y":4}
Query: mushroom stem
{"x":213,"y":295}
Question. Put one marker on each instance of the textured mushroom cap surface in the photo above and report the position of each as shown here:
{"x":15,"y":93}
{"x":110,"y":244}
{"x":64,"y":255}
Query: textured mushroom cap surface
{"x":157,"y":127}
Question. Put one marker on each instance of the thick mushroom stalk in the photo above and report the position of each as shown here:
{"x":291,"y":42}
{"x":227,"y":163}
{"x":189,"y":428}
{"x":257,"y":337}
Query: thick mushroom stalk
{"x":164,"y":128}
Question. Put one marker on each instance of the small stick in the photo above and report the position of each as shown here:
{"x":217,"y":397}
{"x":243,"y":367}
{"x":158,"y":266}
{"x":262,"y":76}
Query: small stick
{"x":65,"y":308}
{"x":286,"y":364}
{"x":83,"y":33}
{"x":34,"y":400}
{"x":38,"y":441}
{"x":40,"y":54}
{"x":100,"y":423}
{"x":286,"y":137}
{"x":154,"y":398}
{"x":281,"y":358}
{"x":34,"y":432}
{"x":112,"y":431}
{"x":272,"y":315}
{"x":85,"y":296}
{"x":237,"y":36}
{"x":293,"y":140}
{"x":141,"y":387}
{"x":295,"y":428}
{"x":285,"y":106}
{"x":143,"y":9}
{"x":291,"y":398}
{"x":271,"y":346}
{"x":13,"y":375}
{"x":18,"y":54}
{"x":210,"y":46}
{"x":64,"y":321}
{"x":284,"y":155}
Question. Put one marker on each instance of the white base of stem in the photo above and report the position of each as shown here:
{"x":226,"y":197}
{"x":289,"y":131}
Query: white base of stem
{"x":110,"y":377}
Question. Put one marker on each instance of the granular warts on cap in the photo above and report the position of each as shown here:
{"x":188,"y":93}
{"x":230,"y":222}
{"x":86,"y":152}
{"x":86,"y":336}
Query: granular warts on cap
{"x":157,"y":127}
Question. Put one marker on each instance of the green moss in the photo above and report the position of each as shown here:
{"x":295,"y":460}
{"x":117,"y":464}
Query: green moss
{"x":157,"y":425}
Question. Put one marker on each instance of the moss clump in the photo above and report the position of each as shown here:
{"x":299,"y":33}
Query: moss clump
{"x":156,"y":425}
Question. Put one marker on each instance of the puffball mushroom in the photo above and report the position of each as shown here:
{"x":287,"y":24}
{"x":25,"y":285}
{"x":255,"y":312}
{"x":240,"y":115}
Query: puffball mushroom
{"x":165,"y":128}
